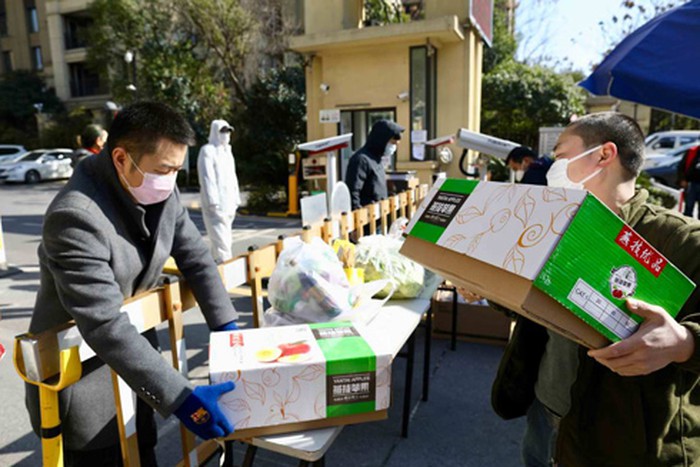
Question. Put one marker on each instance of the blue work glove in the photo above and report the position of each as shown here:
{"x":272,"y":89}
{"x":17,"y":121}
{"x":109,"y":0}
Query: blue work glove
{"x":200,"y":412}
{"x":232,"y":326}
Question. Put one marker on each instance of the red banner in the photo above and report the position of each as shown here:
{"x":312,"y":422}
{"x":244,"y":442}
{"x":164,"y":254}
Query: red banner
{"x":639,"y":249}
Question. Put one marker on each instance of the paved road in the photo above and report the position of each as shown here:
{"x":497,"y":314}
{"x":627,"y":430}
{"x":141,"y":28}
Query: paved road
{"x":455,"y":428}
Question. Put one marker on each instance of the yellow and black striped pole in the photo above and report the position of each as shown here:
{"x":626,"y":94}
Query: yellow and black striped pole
{"x":70,"y":370}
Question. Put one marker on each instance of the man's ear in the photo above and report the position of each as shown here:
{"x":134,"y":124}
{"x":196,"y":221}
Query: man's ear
{"x":608,"y":153}
{"x":119,"y":158}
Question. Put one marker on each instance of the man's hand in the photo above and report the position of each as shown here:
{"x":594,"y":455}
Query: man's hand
{"x":660,"y":340}
{"x":200,"y":412}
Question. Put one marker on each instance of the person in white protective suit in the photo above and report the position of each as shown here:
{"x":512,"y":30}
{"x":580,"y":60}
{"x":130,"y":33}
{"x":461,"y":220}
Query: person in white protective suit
{"x":219,"y":189}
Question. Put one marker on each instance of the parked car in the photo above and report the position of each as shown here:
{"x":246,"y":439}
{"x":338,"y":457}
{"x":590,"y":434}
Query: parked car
{"x":9,"y":152}
{"x":664,"y":141}
{"x":666,"y":169}
{"x":35,"y":166}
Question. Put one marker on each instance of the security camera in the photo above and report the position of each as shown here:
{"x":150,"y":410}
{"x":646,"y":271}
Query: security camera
{"x":326,"y":144}
{"x":325,"y":87}
{"x":485,"y":144}
{"x":402,"y":96}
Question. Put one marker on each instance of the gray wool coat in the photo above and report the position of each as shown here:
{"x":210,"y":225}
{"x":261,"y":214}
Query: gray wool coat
{"x":99,"y":248}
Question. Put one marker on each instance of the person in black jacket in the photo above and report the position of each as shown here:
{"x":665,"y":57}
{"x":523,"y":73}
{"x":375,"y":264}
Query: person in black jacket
{"x":365,"y":176}
{"x":528,"y":168}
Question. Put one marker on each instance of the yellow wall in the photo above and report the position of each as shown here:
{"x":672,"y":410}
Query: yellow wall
{"x":368,"y":77}
{"x":332,"y":15}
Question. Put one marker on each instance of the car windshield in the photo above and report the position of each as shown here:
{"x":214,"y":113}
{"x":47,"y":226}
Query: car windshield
{"x":30,"y":156}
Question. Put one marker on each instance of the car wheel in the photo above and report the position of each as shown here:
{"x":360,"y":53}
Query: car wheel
{"x":32,"y":176}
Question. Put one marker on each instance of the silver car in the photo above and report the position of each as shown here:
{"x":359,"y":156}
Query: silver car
{"x":40,"y":164}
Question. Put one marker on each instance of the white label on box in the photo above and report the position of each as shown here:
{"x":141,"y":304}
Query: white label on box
{"x":604,"y":311}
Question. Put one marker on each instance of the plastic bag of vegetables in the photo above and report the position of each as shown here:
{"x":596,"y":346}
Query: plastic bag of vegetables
{"x":308,"y":284}
{"x":379,"y":256}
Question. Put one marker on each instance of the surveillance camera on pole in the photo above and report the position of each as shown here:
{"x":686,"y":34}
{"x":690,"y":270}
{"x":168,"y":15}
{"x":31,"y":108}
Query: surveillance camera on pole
{"x":485,"y":144}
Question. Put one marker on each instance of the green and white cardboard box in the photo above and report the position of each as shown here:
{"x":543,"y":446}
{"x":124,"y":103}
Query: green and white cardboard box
{"x":309,"y":372}
{"x":568,"y":243}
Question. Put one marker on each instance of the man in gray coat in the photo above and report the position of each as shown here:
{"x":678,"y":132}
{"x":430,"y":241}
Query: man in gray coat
{"x":106,"y":237}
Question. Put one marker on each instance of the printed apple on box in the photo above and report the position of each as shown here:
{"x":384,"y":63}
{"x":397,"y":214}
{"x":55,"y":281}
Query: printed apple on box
{"x":532,"y":240}
{"x":302,"y":373}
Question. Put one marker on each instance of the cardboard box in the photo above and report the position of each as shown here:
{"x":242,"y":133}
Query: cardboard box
{"x":475,"y":322}
{"x":299,"y":377}
{"x":557,"y":256}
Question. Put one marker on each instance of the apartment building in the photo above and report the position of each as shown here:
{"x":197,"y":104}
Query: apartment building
{"x":424,"y":73}
{"x":49,"y":36}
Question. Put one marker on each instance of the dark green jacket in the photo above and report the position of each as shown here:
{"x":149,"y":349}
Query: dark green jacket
{"x":651,"y":420}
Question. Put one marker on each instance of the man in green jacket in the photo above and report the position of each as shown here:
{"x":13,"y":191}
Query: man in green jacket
{"x":635,"y":402}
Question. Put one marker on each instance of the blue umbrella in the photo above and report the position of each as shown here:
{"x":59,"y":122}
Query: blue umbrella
{"x":657,"y":65}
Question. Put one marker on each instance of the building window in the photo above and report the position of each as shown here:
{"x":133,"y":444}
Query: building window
{"x":359,"y":122}
{"x":37,"y":60}
{"x":422,"y":100}
{"x":7,"y":65}
{"x":32,"y":19}
{"x":3,"y":19}
{"x":84,"y":82}
{"x":76,"y":29}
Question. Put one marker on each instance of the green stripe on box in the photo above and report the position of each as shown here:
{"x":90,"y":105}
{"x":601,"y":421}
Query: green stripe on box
{"x":588,"y":252}
{"x":428,"y":232}
{"x":348,"y":355}
{"x":350,"y":409}
{"x":348,"y":358}
{"x":455,"y":185}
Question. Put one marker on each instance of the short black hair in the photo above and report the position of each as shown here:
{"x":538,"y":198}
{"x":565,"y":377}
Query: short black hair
{"x":89,"y":136}
{"x":624,"y":131}
{"x":140,"y":127}
{"x":519,"y":153}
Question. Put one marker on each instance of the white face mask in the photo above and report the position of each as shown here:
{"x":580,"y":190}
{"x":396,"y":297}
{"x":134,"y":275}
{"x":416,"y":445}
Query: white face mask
{"x":558,"y":173}
{"x":390,"y":149}
{"x":155,"y":188}
{"x":519,"y":175}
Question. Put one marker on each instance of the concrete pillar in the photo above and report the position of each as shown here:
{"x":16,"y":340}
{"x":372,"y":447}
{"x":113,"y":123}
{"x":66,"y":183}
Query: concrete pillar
{"x":54,"y":22}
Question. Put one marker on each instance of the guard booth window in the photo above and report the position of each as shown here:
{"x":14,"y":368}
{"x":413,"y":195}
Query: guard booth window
{"x":422,"y":97}
{"x":359,"y":122}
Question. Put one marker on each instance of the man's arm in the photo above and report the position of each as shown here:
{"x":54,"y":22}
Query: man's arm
{"x":194,"y":260}
{"x":355,"y":179}
{"x":659,"y":341}
{"x":78,"y":257}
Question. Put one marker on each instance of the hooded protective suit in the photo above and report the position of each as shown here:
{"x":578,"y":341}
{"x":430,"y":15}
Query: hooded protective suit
{"x":365,"y":175}
{"x":219,"y":189}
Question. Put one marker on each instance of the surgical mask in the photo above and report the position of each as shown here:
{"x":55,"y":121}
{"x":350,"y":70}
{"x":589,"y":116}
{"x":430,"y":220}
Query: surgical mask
{"x":558,"y":175}
{"x":155,"y":187}
{"x":519,"y":175}
{"x":390,"y":149}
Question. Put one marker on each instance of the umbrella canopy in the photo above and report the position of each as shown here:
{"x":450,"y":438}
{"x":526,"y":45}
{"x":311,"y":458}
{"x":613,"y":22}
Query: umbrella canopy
{"x":657,"y":65}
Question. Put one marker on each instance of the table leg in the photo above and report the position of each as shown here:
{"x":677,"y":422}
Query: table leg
{"x":249,"y":456}
{"x":426,"y":354}
{"x":453,"y":344}
{"x":409,"y":381}
{"x":228,"y":454}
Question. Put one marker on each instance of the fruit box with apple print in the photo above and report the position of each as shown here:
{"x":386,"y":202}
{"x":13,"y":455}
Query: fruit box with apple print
{"x":297,"y":377}
{"x":541,"y":251}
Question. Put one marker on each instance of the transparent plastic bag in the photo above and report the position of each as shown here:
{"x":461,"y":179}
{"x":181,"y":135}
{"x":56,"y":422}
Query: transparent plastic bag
{"x":308,"y":284}
{"x":379,"y":256}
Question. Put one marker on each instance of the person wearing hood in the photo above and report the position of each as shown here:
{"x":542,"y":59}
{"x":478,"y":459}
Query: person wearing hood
{"x":365,"y":176}
{"x":219,"y":189}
